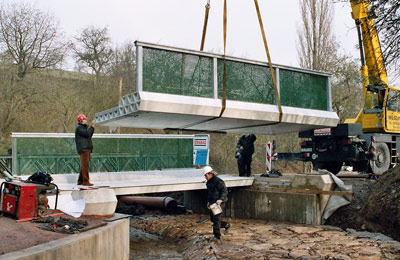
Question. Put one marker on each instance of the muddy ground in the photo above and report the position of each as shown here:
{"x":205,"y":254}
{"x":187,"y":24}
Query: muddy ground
{"x":161,"y":236}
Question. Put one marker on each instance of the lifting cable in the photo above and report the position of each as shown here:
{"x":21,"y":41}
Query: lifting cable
{"x":207,"y":10}
{"x":224,"y":71}
{"x":278,"y":101}
{"x":203,"y":38}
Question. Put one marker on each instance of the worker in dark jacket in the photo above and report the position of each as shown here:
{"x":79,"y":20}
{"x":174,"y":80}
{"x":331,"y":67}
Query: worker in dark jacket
{"x":84,"y":146}
{"x":216,"y":193}
{"x":244,"y":154}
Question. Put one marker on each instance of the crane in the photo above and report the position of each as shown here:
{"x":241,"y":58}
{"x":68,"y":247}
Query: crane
{"x":371,"y":141}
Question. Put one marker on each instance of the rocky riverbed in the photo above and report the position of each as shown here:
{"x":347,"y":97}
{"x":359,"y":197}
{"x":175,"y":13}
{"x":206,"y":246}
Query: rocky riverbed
{"x":188,"y":236}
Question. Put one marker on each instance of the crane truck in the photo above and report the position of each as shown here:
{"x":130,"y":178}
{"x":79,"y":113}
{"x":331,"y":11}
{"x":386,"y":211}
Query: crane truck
{"x":370,"y":142}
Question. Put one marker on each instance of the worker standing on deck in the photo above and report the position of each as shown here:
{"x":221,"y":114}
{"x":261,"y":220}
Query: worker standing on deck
{"x":245,"y":147}
{"x":84,"y":146}
{"x":217,"y":194}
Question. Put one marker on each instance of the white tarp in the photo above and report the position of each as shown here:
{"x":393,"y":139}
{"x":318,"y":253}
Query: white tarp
{"x":67,"y":205}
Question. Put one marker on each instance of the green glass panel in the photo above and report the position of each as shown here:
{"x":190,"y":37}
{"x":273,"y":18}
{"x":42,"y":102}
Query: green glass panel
{"x":246,"y":82}
{"x":303,"y":90}
{"x":177,"y":73}
{"x":58,"y":155}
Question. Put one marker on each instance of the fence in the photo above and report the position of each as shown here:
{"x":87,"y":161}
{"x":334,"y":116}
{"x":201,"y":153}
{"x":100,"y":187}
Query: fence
{"x":56,"y":153}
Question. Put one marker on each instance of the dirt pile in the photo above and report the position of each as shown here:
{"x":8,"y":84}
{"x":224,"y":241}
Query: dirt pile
{"x":375,"y":206}
{"x":381,"y":213}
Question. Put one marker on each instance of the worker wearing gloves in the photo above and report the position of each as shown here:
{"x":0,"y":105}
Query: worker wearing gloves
{"x":217,"y":193}
{"x":245,"y":147}
{"x":84,"y":146}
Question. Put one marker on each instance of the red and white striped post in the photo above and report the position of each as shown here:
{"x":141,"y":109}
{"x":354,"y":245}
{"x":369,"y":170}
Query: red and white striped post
{"x":268,"y":167}
{"x":373,"y":148}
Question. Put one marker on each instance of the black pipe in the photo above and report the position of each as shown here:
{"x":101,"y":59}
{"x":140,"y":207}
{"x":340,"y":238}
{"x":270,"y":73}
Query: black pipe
{"x":166,"y":203}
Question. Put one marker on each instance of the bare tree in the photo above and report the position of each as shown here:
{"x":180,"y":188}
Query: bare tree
{"x":388,"y":26}
{"x":315,"y":38}
{"x":16,"y":96}
{"x":318,"y":50}
{"x":346,"y":87}
{"x":93,"y":48}
{"x":31,"y":38}
{"x":123,"y":66}
{"x":387,"y":20}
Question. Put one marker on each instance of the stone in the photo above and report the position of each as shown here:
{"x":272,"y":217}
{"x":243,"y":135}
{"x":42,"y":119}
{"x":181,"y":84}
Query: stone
{"x":264,"y":246}
{"x":279,"y":241}
{"x":304,"y":229}
{"x":299,"y":254}
{"x":370,"y":251}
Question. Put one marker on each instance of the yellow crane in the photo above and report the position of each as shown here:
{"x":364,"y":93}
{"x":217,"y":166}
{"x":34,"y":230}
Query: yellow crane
{"x":381,"y":111}
{"x":371,"y":141}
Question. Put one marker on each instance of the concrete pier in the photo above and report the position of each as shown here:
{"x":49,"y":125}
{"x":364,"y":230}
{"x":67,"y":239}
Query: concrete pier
{"x":299,"y":200}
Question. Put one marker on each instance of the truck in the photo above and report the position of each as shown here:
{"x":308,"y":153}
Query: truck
{"x":370,"y":143}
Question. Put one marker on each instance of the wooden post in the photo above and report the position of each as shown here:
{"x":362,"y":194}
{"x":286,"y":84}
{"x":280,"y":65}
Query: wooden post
{"x":119,"y":98}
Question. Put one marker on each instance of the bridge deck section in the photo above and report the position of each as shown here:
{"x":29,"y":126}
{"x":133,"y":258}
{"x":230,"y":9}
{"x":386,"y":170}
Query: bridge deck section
{"x":142,"y":182}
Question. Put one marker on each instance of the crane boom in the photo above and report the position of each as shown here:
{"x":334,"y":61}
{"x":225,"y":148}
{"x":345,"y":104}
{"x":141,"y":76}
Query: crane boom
{"x":369,"y":43}
{"x":380,"y":113}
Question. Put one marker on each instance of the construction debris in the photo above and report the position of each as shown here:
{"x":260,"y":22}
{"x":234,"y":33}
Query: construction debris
{"x":63,"y":225}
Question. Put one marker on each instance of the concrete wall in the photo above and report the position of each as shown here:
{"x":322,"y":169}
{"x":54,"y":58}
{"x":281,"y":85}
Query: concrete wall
{"x":107,"y":242}
{"x":248,"y":203}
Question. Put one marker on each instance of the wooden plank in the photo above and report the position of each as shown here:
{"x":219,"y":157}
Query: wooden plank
{"x":45,"y":216}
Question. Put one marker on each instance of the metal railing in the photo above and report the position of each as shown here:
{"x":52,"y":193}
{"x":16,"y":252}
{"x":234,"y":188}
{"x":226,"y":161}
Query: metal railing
{"x":56,"y":153}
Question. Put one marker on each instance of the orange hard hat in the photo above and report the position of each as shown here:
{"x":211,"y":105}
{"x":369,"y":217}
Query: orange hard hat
{"x":81,"y":117}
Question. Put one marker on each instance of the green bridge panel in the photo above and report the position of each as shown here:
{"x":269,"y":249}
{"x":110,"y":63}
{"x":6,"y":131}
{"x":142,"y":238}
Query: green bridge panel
{"x":299,"y":89}
{"x":58,"y":155}
{"x":246,"y":82}
{"x":191,"y":74}
{"x":177,"y":73}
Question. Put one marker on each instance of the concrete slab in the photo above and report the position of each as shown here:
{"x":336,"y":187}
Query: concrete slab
{"x":141,"y":182}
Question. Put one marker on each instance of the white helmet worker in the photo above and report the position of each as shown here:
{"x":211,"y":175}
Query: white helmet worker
{"x":207,"y":169}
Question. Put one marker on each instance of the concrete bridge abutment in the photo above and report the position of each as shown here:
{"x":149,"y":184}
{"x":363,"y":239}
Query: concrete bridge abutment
{"x":272,"y":201}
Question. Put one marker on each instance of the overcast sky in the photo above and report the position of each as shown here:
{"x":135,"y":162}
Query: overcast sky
{"x":179,"y":23}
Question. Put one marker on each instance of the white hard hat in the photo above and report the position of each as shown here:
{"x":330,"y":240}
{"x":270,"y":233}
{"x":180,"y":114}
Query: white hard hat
{"x":207,"y":169}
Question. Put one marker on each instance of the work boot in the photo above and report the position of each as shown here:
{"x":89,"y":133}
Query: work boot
{"x":227,"y":227}
{"x":87,"y":184}
{"x":215,"y":239}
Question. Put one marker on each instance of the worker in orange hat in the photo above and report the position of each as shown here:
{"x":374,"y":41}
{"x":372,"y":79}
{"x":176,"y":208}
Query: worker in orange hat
{"x":84,"y":146}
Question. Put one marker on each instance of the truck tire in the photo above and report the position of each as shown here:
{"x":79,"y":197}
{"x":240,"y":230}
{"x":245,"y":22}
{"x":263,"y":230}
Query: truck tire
{"x":382,"y":162}
{"x":333,"y":167}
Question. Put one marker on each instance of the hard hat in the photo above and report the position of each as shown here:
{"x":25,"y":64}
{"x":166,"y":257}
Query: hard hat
{"x":207,"y":169}
{"x":81,"y":117}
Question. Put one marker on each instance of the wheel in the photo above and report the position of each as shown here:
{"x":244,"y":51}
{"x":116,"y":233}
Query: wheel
{"x":333,"y":167}
{"x":382,"y":162}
